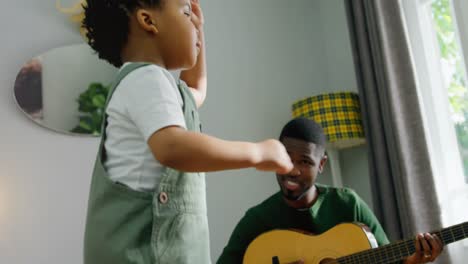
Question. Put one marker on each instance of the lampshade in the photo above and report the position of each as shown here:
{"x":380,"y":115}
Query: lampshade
{"x":339,"y":115}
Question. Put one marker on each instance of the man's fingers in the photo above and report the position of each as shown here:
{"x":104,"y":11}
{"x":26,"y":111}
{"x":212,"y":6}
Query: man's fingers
{"x":425,"y":245}
{"x":417,"y":244}
{"x":439,"y":242}
{"x":436,"y":245}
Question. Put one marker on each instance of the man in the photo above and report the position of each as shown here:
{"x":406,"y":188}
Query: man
{"x":303,"y":204}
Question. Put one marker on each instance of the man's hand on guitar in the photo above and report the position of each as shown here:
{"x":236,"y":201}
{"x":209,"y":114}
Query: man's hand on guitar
{"x":428,"y":248}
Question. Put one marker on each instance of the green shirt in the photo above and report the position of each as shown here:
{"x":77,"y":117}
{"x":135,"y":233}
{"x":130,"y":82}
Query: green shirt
{"x":332,"y":207}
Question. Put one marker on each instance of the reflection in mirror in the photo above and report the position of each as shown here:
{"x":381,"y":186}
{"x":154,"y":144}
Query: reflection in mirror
{"x":65,"y":89}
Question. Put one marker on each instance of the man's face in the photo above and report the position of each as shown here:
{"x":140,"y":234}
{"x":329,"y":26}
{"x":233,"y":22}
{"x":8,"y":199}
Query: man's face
{"x":308,"y":160}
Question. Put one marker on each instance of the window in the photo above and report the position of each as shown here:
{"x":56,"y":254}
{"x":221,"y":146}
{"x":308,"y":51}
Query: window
{"x":438,"y":35}
{"x":453,"y":72}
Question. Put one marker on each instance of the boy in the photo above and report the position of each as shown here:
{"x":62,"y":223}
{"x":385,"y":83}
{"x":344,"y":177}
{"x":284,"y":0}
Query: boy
{"x":147,"y":200}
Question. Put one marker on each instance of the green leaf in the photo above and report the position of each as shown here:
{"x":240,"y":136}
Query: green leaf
{"x":91,"y":105}
{"x":99,"y":100}
{"x":86,"y":123}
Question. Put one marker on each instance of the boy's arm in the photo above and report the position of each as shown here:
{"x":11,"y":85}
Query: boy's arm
{"x":196,"y":78}
{"x":189,"y":151}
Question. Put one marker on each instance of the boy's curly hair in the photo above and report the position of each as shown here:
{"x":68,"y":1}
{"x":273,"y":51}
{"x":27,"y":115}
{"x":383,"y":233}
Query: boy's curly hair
{"x":107,"y":25}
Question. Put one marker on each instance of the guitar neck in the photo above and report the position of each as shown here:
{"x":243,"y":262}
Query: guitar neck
{"x":400,"y":250}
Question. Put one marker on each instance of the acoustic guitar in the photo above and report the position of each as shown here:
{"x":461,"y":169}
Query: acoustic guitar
{"x":345,"y":243}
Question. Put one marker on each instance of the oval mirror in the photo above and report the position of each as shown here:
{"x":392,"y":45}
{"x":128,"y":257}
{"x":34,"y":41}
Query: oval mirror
{"x":65,"y":89}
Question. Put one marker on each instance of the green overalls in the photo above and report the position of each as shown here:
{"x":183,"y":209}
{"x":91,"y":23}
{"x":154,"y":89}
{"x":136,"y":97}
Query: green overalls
{"x":125,"y":226}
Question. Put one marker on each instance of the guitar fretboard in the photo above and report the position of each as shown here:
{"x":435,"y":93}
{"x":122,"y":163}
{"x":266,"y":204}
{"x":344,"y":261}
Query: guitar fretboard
{"x":400,"y":250}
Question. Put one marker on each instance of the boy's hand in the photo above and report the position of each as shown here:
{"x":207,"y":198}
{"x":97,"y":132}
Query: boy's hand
{"x":196,"y":77}
{"x":273,"y":157}
{"x":197,"y":14}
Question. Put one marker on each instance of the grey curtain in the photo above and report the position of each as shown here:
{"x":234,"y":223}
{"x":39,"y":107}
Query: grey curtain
{"x":402,"y":182}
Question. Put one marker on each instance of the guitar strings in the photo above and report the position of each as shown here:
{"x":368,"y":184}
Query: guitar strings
{"x":401,"y":249}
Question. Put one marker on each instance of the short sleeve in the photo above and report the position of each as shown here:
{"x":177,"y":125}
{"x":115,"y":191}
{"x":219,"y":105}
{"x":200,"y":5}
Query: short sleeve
{"x":152,"y":100}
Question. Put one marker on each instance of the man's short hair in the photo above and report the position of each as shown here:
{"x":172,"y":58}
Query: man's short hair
{"x":304,"y":129}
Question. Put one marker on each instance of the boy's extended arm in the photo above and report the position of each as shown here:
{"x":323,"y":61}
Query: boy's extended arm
{"x":189,"y":151}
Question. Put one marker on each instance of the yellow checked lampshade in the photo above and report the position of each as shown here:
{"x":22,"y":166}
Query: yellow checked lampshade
{"x":339,"y":115}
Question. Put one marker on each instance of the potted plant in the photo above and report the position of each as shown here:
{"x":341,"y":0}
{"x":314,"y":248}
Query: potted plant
{"x":91,"y":107}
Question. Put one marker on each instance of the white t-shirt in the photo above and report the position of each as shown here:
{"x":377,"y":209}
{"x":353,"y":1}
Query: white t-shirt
{"x":145,"y":101}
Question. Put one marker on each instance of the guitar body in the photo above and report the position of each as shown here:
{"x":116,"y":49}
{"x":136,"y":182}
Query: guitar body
{"x":288,"y":246}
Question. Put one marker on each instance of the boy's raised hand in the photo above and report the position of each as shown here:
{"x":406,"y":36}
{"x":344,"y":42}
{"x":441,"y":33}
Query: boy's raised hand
{"x":273,"y":157}
{"x":196,"y":77}
{"x":197,"y":14}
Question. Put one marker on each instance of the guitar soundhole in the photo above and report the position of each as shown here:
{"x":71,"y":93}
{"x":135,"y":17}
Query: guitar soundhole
{"x":328,"y":261}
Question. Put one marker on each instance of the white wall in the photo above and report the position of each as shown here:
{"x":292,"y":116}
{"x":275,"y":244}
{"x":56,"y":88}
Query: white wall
{"x":275,"y":57}
{"x":336,"y":41}
{"x":262,"y":56}
{"x":341,"y":77}
{"x":44,"y":176}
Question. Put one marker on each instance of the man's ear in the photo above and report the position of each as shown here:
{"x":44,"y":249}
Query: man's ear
{"x":147,"y":20}
{"x":323,"y":161}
